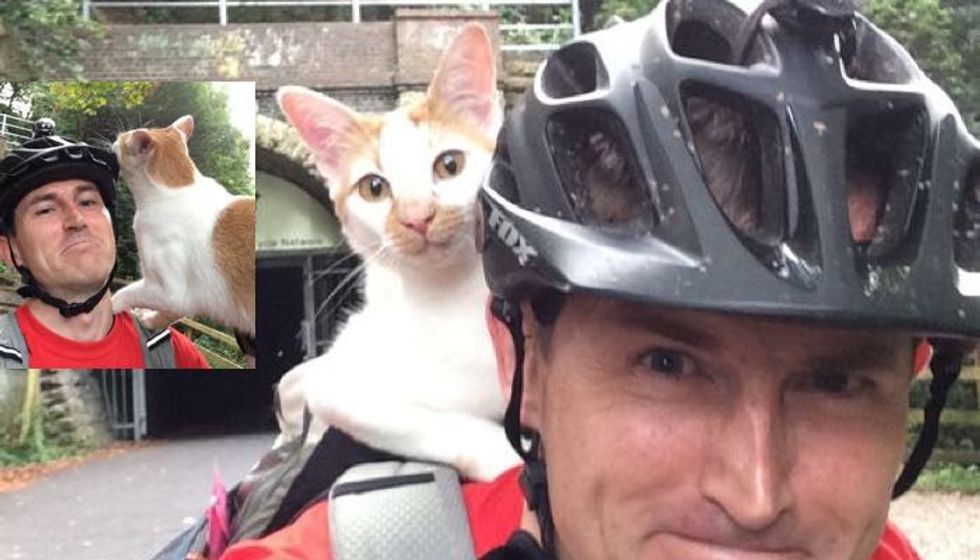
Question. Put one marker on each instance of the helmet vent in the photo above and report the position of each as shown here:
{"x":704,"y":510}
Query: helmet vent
{"x":739,"y":148}
{"x":966,"y":224}
{"x":870,"y":56}
{"x":696,"y":39}
{"x":708,"y":30}
{"x":884,"y":165}
{"x":592,"y":153}
{"x":501,"y":177}
{"x":574,"y":70}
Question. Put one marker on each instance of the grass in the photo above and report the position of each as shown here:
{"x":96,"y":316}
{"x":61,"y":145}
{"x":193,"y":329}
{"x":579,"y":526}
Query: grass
{"x":950,"y":478}
{"x":30,"y":454}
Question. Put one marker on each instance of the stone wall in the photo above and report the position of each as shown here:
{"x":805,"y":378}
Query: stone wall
{"x":369,"y":63}
{"x":72,"y":404}
{"x":73,"y":407}
{"x":12,"y":385}
{"x":365,"y":65}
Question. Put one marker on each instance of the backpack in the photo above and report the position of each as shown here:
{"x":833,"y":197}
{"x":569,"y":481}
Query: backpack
{"x":366,"y":489}
{"x":287,"y":480}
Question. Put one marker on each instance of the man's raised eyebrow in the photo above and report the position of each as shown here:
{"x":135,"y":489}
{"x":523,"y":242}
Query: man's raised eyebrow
{"x":869,"y":357}
{"x":31,"y":201}
{"x":666,"y":326}
{"x":85,"y":188}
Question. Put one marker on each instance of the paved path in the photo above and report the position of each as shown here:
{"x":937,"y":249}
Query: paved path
{"x":941,"y":526}
{"x":124,"y":507}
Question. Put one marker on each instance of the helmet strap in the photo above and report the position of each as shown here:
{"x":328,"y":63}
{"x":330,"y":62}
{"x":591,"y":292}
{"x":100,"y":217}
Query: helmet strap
{"x":534,"y":482}
{"x":945,"y":366}
{"x":534,"y":485}
{"x":31,"y":289}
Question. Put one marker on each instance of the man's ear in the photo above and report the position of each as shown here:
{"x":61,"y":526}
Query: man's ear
{"x":5,"y":251}
{"x":503,"y":350}
{"x":506,"y":355}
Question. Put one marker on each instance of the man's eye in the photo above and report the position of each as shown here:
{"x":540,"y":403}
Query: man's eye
{"x":89,"y":202}
{"x":43,"y":210}
{"x":837,"y":384}
{"x":670,"y":363}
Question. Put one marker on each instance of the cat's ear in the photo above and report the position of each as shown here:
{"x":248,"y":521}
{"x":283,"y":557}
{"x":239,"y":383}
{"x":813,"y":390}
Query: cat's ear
{"x":466,"y":80}
{"x":321,"y":122}
{"x":185,"y":124}
{"x":139,"y":142}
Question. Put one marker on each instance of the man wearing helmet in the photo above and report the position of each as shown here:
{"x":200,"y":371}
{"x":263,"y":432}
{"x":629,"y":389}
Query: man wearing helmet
{"x":719,"y":246}
{"x":57,"y":201}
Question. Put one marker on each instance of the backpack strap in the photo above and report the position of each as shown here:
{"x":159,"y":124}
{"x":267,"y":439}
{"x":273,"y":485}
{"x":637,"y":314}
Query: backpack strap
{"x":399,"y":511}
{"x":157,"y":347}
{"x":13,"y":347}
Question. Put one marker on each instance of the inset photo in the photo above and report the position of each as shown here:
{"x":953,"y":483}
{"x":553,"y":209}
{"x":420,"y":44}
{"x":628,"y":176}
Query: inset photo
{"x":127,"y":225}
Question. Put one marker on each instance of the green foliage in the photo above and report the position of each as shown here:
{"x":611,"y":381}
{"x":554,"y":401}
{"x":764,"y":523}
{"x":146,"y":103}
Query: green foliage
{"x":47,"y":35}
{"x":962,"y":395}
{"x":939,"y":42}
{"x":203,"y":341}
{"x":950,"y":478}
{"x":550,"y":15}
{"x":26,"y":440}
{"x":626,"y":9}
{"x":88,"y":98}
{"x":244,"y":14}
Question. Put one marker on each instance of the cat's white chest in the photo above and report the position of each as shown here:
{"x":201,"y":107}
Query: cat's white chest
{"x":430,"y":350}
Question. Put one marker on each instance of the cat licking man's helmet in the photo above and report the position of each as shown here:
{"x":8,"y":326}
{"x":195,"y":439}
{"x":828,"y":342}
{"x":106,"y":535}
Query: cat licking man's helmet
{"x":57,"y":200}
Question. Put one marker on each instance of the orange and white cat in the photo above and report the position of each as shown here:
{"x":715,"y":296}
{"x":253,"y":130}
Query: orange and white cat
{"x":196,"y":240}
{"x":412,"y":372}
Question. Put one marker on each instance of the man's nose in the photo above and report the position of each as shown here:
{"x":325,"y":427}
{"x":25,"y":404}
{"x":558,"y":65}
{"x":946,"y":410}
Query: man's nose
{"x":74,"y":218}
{"x":749,"y":463}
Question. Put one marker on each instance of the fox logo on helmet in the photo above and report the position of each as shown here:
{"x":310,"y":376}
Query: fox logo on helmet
{"x":508,"y":233}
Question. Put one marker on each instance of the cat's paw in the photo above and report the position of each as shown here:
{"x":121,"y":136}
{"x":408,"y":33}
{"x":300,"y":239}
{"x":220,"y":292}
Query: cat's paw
{"x":154,"y":320}
{"x":119,"y":304}
{"x":488,"y":463}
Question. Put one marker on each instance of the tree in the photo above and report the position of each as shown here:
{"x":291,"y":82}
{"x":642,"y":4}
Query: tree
{"x":626,"y":9}
{"x":47,"y":36}
{"x":938,"y":42}
{"x":87,"y":109}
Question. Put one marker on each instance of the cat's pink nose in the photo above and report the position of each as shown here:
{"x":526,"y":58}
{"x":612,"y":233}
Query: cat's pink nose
{"x":417,"y":215}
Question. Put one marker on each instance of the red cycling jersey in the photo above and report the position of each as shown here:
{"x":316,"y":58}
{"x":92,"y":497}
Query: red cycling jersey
{"x":120,"y":348}
{"x":494,"y":511}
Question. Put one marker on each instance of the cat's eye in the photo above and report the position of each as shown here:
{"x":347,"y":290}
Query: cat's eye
{"x":449,"y":164}
{"x":373,"y":188}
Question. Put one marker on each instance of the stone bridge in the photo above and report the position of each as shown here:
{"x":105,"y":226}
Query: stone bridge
{"x":367,"y":65}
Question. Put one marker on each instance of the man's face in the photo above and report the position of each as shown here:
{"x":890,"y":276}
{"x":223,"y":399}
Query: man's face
{"x":676,"y":434}
{"x":63,"y":234}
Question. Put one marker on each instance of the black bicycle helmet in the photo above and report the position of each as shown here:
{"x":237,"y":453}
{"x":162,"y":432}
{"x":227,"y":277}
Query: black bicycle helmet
{"x":47,"y":157}
{"x":825,"y":100}
{"x":43,"y":159}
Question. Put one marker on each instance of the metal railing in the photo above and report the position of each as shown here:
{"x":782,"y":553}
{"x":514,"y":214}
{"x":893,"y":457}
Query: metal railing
{"x":124,"y":399}
{"x":519,"y":31}
{"x":15,"y":129}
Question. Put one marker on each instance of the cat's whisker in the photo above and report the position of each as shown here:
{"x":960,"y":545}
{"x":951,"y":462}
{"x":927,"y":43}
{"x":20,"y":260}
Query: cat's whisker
{"x":346,"y":282}
{"x":335,"y":265}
